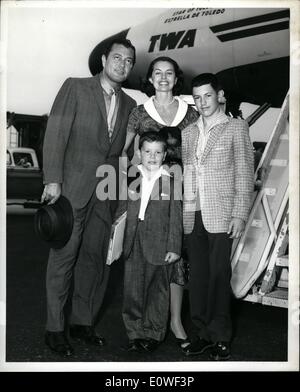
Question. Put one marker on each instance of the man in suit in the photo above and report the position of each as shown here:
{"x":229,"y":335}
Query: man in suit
{"x":218,"y":184}
{"x":86,"y":129}
{"x":152,"y":242}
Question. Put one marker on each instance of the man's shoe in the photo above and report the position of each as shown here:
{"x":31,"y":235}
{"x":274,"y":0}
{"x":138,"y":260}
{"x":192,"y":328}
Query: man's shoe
{"x":58,"y":343}
{"x":149,"y":345}
{"x":220,"y":352}
{"x":197,"y":347}
{"x":134,"y":346}
{"x":86,"y":334}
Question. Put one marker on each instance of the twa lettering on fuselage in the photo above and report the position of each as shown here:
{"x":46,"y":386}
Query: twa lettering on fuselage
{"x":229,"y":31}
{"x":183,"y":38}
{"x":174,"y":40}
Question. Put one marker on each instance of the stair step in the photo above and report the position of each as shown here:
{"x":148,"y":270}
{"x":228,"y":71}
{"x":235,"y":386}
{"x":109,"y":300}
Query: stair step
{"x":278,"y":297}
{"x":283,"y":284}
{"x":283,"y":280}
{"x":283,"y":261}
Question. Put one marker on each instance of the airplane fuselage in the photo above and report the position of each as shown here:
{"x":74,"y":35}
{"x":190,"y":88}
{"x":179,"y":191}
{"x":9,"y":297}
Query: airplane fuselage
{"x":247,"y":47}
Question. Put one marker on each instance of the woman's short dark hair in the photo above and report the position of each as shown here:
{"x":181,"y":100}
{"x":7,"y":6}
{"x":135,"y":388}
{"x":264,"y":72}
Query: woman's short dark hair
{"x":207,"y":78}
{"x":120,"y":41}
{"x":147,"y":86}
{"x":152,"y":136}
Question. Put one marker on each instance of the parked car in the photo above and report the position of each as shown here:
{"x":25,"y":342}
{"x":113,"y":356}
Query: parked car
{"x":24,"y":176}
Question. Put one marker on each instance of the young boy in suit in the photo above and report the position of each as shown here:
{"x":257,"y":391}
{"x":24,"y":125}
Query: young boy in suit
{"x":152,"y":242}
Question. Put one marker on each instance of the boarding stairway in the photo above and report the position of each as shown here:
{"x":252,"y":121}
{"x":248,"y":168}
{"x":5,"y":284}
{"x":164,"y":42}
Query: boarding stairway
{"x":260,"y":261}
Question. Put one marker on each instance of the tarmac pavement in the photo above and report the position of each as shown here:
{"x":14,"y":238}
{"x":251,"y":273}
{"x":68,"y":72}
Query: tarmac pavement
{"x":260,"y":332}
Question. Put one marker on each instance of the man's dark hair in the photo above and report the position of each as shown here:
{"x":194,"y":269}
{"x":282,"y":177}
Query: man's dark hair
{"x":147,"y":86}
{"x":207,"y":78}
{"x":152,"y":136}
{"x":120,"y":41}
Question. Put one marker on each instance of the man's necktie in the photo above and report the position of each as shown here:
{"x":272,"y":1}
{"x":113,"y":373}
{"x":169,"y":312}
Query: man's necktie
{"x":111,"y":112}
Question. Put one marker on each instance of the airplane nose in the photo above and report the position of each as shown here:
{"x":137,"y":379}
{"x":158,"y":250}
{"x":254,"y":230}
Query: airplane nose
{"x":95,"y":63}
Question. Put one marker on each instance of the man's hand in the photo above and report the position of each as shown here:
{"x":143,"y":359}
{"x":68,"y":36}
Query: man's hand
{"x":171,"y":257}
{"x":51,"y":193}
{"x":236,"y":227}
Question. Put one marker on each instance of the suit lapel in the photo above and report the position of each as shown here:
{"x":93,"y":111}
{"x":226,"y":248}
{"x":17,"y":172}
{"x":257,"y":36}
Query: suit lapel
{"x":135,"y":189}
{"x":193,"y":141}
{"x":134,"y":193}
{"x":156,"y":191}
{"x":120,"y":115}
{"x":103,"y":138}
{"x":98,"y":93}
{"x":162,"y":188}
{"x":213,"y":137}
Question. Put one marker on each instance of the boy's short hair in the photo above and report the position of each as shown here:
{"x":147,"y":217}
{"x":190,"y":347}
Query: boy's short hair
{"x":153,"y":136}
{"x":207,"y":78}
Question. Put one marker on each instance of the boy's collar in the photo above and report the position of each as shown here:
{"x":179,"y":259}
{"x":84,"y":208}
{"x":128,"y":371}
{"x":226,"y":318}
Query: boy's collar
{"x":220,"y":118}
{"x":161,"y":171}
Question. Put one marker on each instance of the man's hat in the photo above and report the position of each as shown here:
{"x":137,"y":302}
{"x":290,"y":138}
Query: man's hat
{"x":54,"y":223}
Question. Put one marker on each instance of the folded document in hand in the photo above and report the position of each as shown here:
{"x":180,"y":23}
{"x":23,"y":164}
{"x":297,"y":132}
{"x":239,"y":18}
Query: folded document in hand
{"x":116,"y":239}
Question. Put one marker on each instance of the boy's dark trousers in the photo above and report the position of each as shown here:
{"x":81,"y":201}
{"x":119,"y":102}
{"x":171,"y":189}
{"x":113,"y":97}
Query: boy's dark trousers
{"x":209,"y":282}
{"x":146,"y":293}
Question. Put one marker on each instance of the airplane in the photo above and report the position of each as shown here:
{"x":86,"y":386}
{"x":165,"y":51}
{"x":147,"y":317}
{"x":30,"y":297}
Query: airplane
{"x":248,"y":49}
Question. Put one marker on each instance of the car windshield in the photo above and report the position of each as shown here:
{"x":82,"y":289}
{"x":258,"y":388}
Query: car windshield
{"x":23,"y":159}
